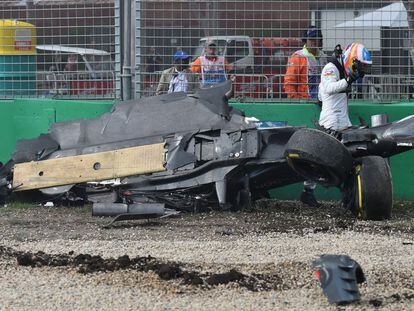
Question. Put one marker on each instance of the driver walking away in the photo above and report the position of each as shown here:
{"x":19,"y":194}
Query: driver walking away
{"x":337,"y":77}
{"x":336,"y":80}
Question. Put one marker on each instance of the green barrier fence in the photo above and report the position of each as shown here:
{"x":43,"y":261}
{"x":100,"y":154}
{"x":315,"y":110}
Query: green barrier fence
{"x":27,"y":118}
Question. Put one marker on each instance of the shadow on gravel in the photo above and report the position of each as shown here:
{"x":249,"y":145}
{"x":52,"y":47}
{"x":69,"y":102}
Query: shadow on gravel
{"x":85,"y":264}
{"x":264,"y":216}
{"x":147,"y":224}
{"x":295,"y":217}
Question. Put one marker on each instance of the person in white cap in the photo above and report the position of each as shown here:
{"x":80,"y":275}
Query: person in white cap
{"x":212,"y":68}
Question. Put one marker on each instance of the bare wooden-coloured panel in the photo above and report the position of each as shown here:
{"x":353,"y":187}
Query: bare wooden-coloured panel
{"x":89,"y":167}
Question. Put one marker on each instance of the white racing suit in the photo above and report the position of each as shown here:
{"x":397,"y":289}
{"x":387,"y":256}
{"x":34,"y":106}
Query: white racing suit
{"x":332,"y":94}
{"x":334,"y":115}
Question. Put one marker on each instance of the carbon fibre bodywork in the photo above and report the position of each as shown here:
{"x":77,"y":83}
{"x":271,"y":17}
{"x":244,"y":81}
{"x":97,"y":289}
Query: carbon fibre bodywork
{"x":214,"y":156}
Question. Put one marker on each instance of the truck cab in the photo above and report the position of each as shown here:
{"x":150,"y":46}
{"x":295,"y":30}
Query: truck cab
{"x":259,"y":64}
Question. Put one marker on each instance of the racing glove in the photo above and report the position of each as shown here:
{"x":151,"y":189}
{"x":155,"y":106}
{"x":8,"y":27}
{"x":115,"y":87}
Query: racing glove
{"x":359,"y":69}
{"x":351,"y":78}
{"x":361,"y":73}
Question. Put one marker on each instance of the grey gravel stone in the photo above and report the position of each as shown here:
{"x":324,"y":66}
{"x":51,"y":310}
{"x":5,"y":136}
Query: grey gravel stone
{"x":278,"y":239}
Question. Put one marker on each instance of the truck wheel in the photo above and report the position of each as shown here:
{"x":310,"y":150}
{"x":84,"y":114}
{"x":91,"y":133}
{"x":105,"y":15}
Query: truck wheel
{"x":368,"y":193}
{"x":318,"y":156}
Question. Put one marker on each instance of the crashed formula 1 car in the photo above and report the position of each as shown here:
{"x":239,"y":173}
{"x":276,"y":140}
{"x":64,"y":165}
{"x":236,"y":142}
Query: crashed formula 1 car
{"x":192,"y":152}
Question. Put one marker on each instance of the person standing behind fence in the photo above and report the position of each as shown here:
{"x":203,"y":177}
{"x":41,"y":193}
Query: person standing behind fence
{"x":178,"y":78}
{"x":305,"y":66}
{"x":154,"y":61}
{"x":212,"y":68}
{"x":301,"y":82}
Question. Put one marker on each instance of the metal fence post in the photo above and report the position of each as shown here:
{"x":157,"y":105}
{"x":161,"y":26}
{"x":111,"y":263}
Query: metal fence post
{"x":117,"y":12}
{"x":126,"y":51}
{"x":138,"y":51}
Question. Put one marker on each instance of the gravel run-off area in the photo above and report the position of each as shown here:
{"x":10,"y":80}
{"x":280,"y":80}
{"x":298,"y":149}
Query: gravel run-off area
{"x":61,"y":258}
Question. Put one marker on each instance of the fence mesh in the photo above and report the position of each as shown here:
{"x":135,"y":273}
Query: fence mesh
{"x":69,"y":48}
{"x":57,"y":49}
{"x":258,"y":37}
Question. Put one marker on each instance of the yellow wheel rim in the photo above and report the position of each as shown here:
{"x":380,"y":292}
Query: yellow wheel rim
{"x":359,"y":184}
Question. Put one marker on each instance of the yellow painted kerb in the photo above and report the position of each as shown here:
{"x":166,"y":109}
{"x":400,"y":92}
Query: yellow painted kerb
{"x":17,"y":38}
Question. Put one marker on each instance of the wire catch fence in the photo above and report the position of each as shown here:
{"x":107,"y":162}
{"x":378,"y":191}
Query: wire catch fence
{"x":100,"y":48}
{"x":257,"y":38}
{"x":57,"y":49}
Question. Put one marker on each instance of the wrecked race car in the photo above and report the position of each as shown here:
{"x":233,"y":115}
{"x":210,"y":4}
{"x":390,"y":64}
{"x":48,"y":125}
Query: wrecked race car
{"x":195,"y":152}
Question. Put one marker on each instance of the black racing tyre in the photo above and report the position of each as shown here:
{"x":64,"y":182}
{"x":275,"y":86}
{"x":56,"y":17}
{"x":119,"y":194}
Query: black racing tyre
{"x":369,"y":193}
{"x":318,"y":156}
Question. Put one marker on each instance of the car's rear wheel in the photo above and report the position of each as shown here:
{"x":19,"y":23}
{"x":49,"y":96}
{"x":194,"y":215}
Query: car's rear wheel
{"x":318,"y":156}
{"x":368,"y":193}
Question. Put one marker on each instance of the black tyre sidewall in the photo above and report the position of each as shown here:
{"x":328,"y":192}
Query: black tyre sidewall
{"x":322,"y":151}
{"x":374,"y":183}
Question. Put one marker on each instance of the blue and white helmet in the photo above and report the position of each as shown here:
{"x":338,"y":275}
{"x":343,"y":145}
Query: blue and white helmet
{"x":355,"y":51}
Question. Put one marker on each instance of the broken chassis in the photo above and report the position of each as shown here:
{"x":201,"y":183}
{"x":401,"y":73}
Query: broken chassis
{"x":211,"y":156}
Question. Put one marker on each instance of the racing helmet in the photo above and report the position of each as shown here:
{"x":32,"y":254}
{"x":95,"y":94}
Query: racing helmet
{"x":356,"y":58}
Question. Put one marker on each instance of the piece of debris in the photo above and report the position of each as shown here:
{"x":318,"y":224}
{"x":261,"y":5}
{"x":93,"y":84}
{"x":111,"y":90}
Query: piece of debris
{"x":339,"y":276}
{"x":407,"y":242}
{"x":135,"y":211}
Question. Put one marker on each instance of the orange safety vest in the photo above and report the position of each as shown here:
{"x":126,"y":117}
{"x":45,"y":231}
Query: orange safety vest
{"x":303,"y":74}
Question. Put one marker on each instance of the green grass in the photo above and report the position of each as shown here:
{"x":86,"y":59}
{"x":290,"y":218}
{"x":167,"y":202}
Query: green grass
{"x":18,"y":205}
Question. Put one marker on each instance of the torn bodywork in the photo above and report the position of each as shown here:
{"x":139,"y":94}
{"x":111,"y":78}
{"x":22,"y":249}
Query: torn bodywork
{"x":339,"y":276}
{"x":191,"y":153}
